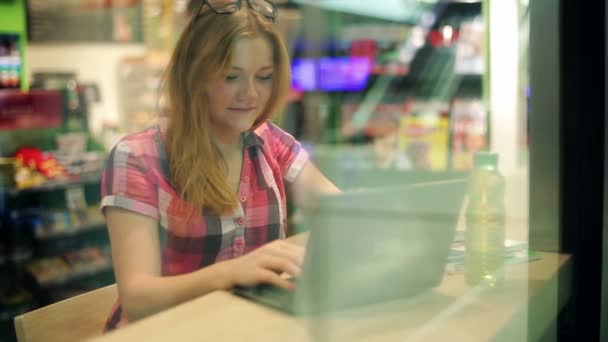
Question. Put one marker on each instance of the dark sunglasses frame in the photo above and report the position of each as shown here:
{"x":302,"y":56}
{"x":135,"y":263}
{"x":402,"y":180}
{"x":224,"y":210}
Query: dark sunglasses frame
{"x":270,"y":16}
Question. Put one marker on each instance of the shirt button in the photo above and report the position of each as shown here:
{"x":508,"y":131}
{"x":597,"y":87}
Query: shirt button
{"x":240,"y":221}
{"x":246,"y":179}
{"x":243,"y":198}
{"x":239,"y":243}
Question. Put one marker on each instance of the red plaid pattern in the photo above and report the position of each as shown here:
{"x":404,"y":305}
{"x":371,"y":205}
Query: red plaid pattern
{"x":136,"y":179}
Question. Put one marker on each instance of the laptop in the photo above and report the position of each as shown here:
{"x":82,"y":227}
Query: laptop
{"x":370,"y":246}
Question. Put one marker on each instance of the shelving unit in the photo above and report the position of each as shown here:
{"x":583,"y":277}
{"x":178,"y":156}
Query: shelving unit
{"x":45,"y":263}
{"x":89,"y":178}
{"x":71,"y":276}
{"x":73,"y":231}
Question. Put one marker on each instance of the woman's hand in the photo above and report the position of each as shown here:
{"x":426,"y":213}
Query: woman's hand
{"x":266,"y":264}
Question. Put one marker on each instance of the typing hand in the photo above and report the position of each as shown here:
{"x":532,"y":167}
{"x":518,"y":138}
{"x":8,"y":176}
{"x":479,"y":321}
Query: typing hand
{"x":268,"y":264}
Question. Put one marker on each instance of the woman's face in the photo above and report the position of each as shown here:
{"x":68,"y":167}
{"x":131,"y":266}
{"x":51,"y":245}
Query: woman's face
{"x":238,"y":96}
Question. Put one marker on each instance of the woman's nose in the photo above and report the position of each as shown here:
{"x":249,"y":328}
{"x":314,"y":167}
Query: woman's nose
{"x":249,"y":90}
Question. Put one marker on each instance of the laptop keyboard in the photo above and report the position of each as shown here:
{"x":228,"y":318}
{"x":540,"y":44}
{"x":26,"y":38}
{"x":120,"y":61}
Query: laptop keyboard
{"x":270,"y":294}
{"x":271,"y":290}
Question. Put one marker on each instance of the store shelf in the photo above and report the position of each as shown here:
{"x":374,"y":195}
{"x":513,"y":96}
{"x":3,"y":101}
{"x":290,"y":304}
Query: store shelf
{"x":93,"y":226}
{"x":18,"y":256}
{"x":76,"y":275}
{"x":14,"y":304}
{"x":58,"y":184}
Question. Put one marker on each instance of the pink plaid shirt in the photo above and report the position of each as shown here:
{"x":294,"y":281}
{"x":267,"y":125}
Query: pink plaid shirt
{"x":136,"y":179}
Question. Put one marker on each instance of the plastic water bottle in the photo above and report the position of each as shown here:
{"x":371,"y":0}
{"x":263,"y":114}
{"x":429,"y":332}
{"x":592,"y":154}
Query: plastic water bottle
{"x":485,"y":223}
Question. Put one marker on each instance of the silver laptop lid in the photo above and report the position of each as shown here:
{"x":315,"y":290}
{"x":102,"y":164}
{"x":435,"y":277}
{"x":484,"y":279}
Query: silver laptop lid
{"x":372,"y":245}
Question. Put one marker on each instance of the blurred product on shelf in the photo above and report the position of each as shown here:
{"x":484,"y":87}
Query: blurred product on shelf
{"x":470,"y":48}
{"x":86,"y":260}
{"x":55,"y":223}
{"x":43,"y":162}
{"x":113,"y":21}
{"x":32,"y":167}
{"x":27,"y":177}
{"x":374,"y":118}
{"x":72,"y":155}
{"x":469,"y":131}
{"x":84,"y":163}
{"x":71,"y":143}
{"x":15,"y":302}
{"x":384,"y":148}
{"x":35,"y":167}
{"x":162,"y":22}
{"x":7,"y":172}
{"x":46,"y":269}
{"x":51,"y":271}
{"x":140,"y":79}
{"x":76,"y":204}
{"x":94,"y":215}
{"x":10,"y":62}
{"x":423,"y":138}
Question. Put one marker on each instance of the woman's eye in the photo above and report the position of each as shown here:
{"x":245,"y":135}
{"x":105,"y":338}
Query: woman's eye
{"x":265,"y":77}
{"x":232,"y":77}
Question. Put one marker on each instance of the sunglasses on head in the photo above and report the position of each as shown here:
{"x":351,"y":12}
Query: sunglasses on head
{"x":262,"y":7}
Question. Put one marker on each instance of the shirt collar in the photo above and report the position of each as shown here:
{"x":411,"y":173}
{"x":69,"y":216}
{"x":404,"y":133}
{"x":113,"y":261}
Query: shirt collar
{"x":251,"y":138}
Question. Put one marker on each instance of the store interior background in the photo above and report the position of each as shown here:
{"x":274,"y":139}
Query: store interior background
{"x":53,"y":243}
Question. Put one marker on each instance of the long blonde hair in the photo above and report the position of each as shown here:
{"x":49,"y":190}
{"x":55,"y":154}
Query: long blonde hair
{"x":198,"y":171}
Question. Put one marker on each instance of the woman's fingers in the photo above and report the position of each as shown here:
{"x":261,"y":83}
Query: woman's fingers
{"x":280,"y":265}
{"x":289,"y":251}
{"x":271,"y":263}
{"x":270,"y":277}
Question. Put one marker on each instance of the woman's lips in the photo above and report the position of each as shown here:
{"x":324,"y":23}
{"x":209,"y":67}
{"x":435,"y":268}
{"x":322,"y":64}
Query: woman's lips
{"x":242,"y":110}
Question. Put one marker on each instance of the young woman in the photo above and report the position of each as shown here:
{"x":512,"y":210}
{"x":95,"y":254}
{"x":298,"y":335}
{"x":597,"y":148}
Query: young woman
{"x":198,"y":203}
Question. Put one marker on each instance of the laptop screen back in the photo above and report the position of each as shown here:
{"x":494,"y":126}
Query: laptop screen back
{"x":373,"y":245}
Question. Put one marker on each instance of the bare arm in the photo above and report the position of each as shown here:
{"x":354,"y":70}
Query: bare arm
{"x":137,"y":265}
{"x":310,"y":183}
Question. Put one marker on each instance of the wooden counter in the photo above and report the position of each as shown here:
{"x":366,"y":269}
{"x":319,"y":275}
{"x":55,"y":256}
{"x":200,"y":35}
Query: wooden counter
{"x":451,"y":312}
